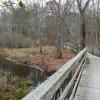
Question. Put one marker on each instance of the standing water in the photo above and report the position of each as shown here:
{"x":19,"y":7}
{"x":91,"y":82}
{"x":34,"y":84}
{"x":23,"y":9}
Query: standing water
{"x":17,"y":80}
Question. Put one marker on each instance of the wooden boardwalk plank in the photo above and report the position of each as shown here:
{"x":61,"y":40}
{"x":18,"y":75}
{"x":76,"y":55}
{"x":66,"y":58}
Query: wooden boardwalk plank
{"x":89,"y":86}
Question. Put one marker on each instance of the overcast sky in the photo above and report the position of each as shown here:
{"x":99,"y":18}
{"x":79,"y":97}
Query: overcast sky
{"x":31,"y":0}
{"x":39,"y":1}
{"x":16,"y":1}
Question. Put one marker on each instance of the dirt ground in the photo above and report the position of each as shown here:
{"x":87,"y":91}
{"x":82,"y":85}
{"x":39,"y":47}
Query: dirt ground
{"x":46,"y":60}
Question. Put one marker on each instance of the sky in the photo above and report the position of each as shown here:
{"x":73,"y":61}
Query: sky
{"x":31,"y":0}
{"x":41,"y":1}
{"x":17,"y":1}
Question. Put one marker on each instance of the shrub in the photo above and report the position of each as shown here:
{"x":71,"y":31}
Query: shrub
{"x":14,"y":40}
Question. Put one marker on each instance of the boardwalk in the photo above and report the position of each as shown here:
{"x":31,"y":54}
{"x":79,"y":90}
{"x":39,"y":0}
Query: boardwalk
{"x":89,"y":86}
{"x":57,"y":87}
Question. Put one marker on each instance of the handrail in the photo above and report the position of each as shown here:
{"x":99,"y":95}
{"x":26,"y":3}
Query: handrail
{"x":77,"y":82}
{"x":47,"y":89}
{"x":66,"y":90}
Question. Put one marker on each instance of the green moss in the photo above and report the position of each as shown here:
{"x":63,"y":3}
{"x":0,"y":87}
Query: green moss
{"x":21,"y":92}
{"x":16,"y":87}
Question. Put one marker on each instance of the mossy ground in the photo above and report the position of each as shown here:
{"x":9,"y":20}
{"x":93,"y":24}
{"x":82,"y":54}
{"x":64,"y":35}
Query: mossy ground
{"x":13,"y":87}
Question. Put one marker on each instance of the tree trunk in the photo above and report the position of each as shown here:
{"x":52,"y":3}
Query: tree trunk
{"x":59,"y":53}
{"x":83,"y":31}
{"x":59,"y":40}
{"x":40,"y":43}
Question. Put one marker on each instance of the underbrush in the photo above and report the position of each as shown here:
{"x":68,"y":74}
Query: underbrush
{"x":14,"y":40}
{"x":47,"y":60}
{"x":13,"y":87}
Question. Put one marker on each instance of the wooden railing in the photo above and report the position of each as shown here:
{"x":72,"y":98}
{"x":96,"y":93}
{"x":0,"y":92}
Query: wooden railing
{"x":63,"y":84}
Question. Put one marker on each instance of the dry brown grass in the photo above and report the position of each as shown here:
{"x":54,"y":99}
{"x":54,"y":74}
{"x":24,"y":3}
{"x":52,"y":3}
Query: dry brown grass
{"x":47,"y":60}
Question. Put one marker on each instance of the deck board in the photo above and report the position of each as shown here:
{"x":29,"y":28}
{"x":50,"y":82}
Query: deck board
{"x":89,"y":86}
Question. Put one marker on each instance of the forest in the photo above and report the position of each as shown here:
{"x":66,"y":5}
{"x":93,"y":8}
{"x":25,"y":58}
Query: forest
{"x":45,"y":34}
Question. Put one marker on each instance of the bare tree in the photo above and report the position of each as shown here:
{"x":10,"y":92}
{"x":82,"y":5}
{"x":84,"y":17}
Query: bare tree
{"x":82,"y":15}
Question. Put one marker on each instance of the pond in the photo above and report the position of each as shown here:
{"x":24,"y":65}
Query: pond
{"x":17,"y":80}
